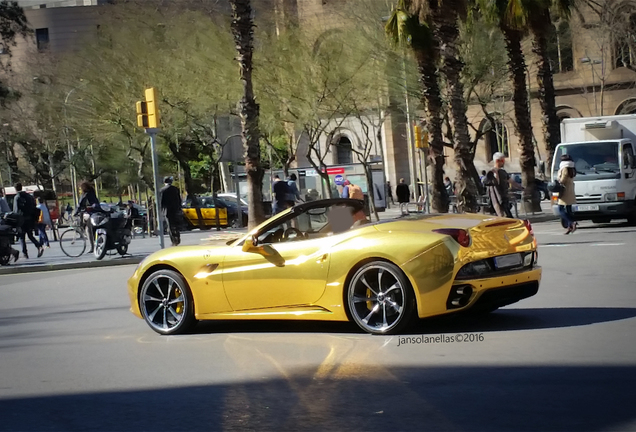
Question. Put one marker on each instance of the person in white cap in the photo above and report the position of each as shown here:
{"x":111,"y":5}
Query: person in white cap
{"x":498,"y":183}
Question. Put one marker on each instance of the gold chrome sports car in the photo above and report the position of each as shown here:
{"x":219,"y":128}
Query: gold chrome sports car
{"x":323,"y":260}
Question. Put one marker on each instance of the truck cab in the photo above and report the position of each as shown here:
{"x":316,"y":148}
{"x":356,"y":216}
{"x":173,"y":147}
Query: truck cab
{"x":603,"y":152}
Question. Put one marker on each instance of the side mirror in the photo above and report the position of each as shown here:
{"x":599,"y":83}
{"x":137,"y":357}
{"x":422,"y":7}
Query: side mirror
{"x":251,"y":245}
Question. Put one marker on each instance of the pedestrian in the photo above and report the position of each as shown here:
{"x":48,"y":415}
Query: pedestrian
{"x":448,"y":185}
{"x":88,"y":204}
{"x":294,"y":194}
{"x":498,"y":185}
{"x":355,"y":192}
{"x":4,"y":206}
{"x":403,"y":194}
{"x":24,"y":205}
{"x":43,"y":222}
{"x":482,"y":178}
{"x":69,"y":212}
{"x":567,"y":196}
{"x":345,"y":189}
{"x":171,"y":209}
{"x":281,"y":191}
{"x":389,"y":192}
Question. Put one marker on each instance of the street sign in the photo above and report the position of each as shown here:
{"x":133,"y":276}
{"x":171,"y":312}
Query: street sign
{"x":332,"y":171}
{"x":339,"y":180}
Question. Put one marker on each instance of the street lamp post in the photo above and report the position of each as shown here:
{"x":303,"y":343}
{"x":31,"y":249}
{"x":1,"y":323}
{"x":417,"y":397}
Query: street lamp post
{"x":587,"y":60}
{"x":70,"y":150}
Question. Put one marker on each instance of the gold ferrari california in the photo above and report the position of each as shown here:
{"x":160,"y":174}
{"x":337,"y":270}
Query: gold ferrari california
{"x":323,"y":260}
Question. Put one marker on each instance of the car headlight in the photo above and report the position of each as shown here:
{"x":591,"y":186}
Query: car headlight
{"x":610,"y":197}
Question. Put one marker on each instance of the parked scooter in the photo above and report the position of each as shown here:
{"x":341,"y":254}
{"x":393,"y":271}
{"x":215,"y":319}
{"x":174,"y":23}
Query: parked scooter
{"x":112,"y":232}
{"x":9,"y":229}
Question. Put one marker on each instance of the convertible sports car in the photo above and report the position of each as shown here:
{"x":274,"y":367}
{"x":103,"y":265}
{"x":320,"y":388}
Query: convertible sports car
{"x":323,"y":260}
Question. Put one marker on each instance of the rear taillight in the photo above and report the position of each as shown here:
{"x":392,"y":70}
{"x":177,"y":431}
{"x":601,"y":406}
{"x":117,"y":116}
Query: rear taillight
{"x":461,"y":236}
{"x":528,"y":226}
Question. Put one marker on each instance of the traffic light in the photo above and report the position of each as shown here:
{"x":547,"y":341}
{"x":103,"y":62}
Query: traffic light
{"x":152,"y":102}
{"x":418,"y":136}
{"x":142,"y":114}
{"x":421,"y":137}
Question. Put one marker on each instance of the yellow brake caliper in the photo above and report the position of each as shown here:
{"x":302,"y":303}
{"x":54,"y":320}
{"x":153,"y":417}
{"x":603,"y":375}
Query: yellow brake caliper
{"x":179,"y":306}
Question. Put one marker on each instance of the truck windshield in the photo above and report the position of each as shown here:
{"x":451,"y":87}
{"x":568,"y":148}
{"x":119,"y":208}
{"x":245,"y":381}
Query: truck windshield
{"x":593,"y":160}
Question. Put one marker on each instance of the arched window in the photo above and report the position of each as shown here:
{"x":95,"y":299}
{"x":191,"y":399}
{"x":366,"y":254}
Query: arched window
{"x":627,"y":107}
{"x":495,"y":137}
{"x":623,"y":23}
{"x":344,"y":152}
{"x":560,"y":48}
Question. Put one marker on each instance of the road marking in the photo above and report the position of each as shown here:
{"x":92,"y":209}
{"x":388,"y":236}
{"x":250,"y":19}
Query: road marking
{"x":578,"y":244}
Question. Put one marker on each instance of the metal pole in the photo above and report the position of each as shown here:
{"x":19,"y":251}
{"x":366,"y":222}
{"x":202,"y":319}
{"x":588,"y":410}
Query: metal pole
{"x":155,"y":173}
{"x":409,"y":133}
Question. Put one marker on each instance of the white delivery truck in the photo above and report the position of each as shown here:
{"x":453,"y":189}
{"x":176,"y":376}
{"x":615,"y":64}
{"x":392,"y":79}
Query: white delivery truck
{"x":603,"y":152}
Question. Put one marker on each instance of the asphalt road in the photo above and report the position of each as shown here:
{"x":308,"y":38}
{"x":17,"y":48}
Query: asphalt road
{"x":72,"y":357}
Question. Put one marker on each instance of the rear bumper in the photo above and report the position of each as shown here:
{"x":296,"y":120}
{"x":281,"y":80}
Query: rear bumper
{"x":499,"y":297}
{"x":613,"y":210}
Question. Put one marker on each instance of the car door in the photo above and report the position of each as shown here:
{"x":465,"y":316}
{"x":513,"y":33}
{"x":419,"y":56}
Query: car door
{"x":295,"y":275}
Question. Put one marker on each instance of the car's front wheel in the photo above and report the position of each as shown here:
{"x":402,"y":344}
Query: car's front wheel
{"x":166,"y":303}
{"x":380,"y":298}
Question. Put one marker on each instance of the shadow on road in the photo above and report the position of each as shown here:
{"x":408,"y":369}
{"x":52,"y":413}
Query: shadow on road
{"x":502,"y":320}
{"x":369,"y":398}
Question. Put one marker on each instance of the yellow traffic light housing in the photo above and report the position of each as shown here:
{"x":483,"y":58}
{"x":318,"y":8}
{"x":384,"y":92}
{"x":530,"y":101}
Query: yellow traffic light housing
{"x":152,"y":103}
{"x":418,"y":136}
{"x":142,"y":114}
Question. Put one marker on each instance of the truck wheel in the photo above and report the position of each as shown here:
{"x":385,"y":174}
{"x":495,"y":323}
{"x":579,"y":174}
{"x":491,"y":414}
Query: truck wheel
{"x":631,"y":220}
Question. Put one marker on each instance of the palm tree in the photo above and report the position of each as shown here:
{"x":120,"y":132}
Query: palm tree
{"x":405,"y":29}
{"x":243,"y":30}
{"x":511,"y":18}
{"x":540,"y":24}
{"x":445,"y":15}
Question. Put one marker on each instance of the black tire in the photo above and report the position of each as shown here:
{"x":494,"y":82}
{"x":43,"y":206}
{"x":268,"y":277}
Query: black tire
{"x":631,"y":220}
{"x":101,"y":246}
{"x":122,"y":249}
{"x":381,"y":316}
{"x":158,"y":285}
{"x":5,"y":259}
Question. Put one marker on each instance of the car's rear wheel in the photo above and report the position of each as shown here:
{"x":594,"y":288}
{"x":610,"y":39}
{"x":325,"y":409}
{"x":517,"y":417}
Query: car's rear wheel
{"x":380,"y":298}
{"x":166,"y":303}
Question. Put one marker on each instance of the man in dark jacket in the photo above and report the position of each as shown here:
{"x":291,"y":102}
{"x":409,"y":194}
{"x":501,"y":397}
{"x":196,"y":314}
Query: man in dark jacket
{"x":403,"y":195}
{"x":24,"y":205}
{"x":171,"y":207}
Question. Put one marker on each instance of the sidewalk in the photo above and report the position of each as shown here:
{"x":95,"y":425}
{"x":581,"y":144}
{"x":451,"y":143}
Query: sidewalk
{"x":54,"y":259}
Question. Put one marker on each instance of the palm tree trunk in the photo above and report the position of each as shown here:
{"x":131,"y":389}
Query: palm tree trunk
{"x":543,"y":29}
{"x":452,"y":66}
{"x":243,"y":30}
{"x":517,"y":69}
{"x":427,"y":65}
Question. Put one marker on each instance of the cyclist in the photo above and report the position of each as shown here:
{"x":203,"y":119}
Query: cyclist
{"x":88,"y":204}
{"x":171,"y":207}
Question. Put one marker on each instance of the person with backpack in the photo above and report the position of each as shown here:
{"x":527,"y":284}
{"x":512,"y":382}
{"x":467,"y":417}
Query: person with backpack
{"x":44,"y":221}
{"x":24,"y":205}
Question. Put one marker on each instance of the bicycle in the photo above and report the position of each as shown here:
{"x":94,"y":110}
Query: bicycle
{"x":73,"y":240}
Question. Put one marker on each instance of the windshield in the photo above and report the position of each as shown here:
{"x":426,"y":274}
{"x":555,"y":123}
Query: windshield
{"x":593,"y":160}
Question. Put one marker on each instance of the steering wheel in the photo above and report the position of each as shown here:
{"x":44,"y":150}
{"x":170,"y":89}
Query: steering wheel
{"x":292,"y":230}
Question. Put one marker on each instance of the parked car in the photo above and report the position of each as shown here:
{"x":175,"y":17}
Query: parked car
{"x":542,"y":186}
{"x":232,"y":212}
{"x":208,"y":212}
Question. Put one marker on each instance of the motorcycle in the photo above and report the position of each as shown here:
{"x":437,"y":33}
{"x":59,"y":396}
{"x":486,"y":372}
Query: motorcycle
{"x":9,"y":230}
{"x":112,"y":232}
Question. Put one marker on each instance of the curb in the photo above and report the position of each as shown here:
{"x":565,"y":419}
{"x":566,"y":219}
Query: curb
{"x":9,"y":270}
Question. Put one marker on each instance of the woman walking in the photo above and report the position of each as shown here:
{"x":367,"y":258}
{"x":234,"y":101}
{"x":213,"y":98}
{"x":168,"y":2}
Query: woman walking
{"x":567,"y":196}
{"x":43,"y":222}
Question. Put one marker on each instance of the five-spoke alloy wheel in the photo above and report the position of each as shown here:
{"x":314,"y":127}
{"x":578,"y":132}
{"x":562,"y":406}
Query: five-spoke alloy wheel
{"x":380,"y":298}
{"x":166,"y":303}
